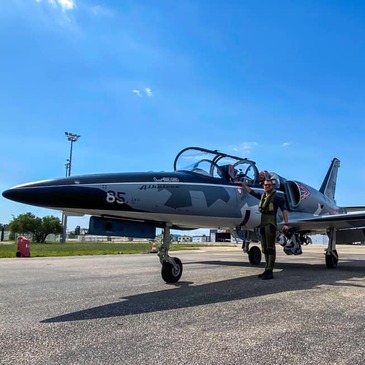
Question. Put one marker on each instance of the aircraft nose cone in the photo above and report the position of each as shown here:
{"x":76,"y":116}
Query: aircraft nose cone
{"x":15,"y":194}
{"x":31,"y":194}
{"x":9,"y":194}
{"x":57,"y":196}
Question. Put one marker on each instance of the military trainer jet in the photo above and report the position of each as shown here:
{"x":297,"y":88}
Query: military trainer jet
{"x":199,"y":193}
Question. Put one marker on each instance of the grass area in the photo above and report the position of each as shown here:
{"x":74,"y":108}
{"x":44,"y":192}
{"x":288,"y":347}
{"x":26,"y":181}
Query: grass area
{"x":87,"y":248}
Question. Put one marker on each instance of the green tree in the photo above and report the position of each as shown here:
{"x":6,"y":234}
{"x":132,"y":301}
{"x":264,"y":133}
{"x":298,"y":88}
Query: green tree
{"x":40,"y":228}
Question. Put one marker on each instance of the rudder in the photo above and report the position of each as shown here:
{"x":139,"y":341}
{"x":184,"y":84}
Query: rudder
{"x":328,"y":186}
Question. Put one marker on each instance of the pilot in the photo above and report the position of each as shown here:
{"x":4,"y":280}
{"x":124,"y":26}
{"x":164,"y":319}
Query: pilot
{"x":262,"y":176}
{"x":232,"y":172}
{"x":269,"y":204}
{"x":229,"y":172}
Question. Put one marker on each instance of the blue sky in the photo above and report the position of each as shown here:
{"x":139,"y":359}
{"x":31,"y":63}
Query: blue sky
{"x":280,"y":82}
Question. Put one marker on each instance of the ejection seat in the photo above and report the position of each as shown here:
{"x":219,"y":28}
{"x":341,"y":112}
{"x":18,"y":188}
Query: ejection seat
{"x":228,"y":172}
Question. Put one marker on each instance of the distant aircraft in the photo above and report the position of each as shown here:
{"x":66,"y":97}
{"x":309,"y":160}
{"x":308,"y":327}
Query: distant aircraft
{"x":199,"y":193}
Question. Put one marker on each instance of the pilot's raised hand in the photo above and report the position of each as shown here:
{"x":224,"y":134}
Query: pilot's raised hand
{"x":243,"y":185}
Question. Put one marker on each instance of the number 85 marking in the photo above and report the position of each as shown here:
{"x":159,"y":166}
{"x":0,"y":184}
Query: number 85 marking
{"x":115,"y":197}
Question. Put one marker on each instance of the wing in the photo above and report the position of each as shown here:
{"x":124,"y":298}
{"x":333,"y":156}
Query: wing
{"x":350,"y":226}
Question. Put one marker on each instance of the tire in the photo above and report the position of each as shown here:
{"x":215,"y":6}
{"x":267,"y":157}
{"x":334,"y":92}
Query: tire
{"x":254,"y":255}
{"x":308,"y":241}
{"x":169,"y":273}
{"x":331,"y":261}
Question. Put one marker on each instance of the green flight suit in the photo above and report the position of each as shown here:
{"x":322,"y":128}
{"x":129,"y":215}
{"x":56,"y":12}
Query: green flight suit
{"x":268,"y":207}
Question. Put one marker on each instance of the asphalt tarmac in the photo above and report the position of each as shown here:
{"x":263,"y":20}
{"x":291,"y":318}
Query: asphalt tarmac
{"x":117,"y":310}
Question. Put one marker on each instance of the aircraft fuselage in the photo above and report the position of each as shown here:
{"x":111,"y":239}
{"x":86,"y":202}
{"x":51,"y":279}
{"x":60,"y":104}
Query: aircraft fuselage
{"x":182,"y":199}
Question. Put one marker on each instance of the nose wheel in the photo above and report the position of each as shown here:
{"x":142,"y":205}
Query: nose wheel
{"x":172,"y":273}
{"x":171,"y":267}
{"x":254,"y":255}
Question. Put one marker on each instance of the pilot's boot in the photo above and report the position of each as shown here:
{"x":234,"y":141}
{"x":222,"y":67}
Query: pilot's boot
{"x":266,"y":260}
{"x":262,"y":274}
{"x":271,"y":255}
{"x":268,"y":274}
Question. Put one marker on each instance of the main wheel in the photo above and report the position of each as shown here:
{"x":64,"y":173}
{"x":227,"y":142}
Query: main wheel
{"x":332,"y":260}
{"x":169,"y":273}
{"x":254,"y":255}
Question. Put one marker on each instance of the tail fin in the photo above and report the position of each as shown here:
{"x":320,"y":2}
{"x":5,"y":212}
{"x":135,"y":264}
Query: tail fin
{"x":328,"y":186}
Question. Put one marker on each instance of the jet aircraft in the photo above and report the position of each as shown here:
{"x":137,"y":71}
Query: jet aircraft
{"x":201,"y":192}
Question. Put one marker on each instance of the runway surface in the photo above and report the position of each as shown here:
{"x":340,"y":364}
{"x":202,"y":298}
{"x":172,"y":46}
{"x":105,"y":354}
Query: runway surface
{"x":117,"y":310}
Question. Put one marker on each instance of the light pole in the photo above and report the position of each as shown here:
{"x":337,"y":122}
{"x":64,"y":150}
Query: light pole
{"x":72,"y":138}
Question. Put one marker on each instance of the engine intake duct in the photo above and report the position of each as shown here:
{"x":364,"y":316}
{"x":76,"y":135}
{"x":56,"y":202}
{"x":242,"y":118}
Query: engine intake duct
{"x":294,"y":193}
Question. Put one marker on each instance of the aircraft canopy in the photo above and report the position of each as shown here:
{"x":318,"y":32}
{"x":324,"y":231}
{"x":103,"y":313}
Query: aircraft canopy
{"x":217,"y":164}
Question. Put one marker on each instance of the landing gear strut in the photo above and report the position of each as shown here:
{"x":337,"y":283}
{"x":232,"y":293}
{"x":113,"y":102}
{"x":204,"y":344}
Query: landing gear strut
{"x":331,"y":255}
{"x":254,"y":253}
{"x":172,"y":267}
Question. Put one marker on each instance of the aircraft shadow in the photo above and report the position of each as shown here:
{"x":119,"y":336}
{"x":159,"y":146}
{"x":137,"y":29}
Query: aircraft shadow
{"x":293,"y":277}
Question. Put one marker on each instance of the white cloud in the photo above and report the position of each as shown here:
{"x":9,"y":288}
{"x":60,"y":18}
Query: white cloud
{"x":285,"y":144}
{"x":244,"y":148}
{"x":148,"y":91}
{"x":65,"y":5}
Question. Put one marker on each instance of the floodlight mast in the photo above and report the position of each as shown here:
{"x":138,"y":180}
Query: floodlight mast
{"x":72,"y":138}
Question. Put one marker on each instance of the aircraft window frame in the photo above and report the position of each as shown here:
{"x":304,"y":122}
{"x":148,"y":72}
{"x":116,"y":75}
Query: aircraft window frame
{"x":203,"y":153}
{"x":244,"y":175}
{"x":213,"y":167}
{"x":213,"y":157}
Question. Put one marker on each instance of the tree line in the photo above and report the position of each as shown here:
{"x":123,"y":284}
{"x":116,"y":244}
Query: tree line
{"x":39,"y":228}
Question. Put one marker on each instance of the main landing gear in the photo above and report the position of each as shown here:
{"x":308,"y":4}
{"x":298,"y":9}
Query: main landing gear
{"x":292,"y":246}
{"x":172,"y":267}
{"x":331,"y":255}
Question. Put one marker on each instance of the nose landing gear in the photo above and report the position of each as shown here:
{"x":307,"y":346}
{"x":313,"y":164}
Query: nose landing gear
{"x":172,"y":267}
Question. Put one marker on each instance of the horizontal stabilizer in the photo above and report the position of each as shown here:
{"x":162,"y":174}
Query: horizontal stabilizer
{"x":353,"y":209}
